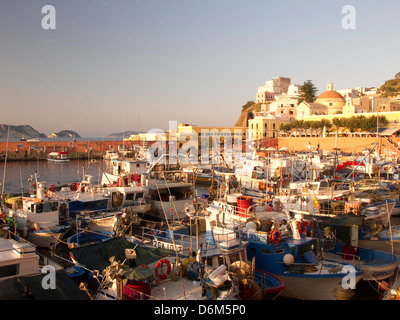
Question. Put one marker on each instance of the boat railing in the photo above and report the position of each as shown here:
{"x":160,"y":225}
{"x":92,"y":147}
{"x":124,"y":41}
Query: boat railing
{"x":209,"y":240}
{"x":344,"y":256}
{"x":323,"y":266}
{"x":16,"y":237}
{"x":236,"y":211}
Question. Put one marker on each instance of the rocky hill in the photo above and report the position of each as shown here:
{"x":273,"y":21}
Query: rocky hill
{"x":248,"y":112}
{"x":17,"y":132}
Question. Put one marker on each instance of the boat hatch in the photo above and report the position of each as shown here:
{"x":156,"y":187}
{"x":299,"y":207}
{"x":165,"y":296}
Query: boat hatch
{"x":279,"y":249}
{"x":310,"y":257}
{"x":299,"y":247}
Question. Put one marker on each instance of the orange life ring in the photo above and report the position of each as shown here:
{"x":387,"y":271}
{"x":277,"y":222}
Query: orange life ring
{"x":52,"y":188}
{"x":275,"y":236}
{"x":73,"y":186}
{"x":158,"y":266}
{"x":301,"y":226}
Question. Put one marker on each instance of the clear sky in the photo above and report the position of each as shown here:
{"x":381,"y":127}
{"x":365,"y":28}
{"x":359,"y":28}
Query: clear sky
{"x":116,"y":65}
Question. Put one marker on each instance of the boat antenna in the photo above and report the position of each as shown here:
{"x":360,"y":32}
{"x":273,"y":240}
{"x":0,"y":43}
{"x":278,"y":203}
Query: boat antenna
{"x":172,"y":238}
{"x":5,"y":163}
{"x":357,"y":165}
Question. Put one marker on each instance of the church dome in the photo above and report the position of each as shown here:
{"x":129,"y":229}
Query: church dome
{"x":332,"y":99}
{"x":330,"y":95}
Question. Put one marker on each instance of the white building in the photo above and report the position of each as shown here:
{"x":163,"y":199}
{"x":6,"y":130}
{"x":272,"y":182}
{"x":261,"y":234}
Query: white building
{"x":349,"y":93}
{"x":275,"y":86}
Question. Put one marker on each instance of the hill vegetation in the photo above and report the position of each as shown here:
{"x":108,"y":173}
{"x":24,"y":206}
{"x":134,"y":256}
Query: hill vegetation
{"x":248,"y":112}
{"x":354,"y":124}
{"x":19,"y":131}
{"x":391,"y":87}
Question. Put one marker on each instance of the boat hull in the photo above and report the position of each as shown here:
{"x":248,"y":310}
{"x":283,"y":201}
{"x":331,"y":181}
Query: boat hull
{"x":378,"y":272}
{"x":47,"y":238}
{"x":303,"y":287}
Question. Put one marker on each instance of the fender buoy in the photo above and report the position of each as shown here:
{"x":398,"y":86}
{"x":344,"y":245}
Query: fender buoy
{"x":159,"y":265}
{"x":275,"y":236}
{"x":144,"y":266}
{"x":52,"y":188}
{"x":73,"y":186}
{"x":301,"y":226}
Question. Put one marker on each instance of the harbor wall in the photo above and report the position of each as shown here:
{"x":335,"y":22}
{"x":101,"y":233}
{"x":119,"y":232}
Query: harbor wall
{"x":345,"y":144}
{"x":27,"y":150}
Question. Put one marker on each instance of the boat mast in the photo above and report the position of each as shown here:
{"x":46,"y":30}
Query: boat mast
{"x":5,"y":165}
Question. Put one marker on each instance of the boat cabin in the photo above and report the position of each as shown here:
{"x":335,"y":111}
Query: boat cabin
{"x":128,"y":166}
{"x":44,"y":211}
{"x":17,"y":259}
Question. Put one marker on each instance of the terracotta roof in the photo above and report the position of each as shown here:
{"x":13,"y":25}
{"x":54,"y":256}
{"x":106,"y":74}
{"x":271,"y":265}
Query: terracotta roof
{"x":330,"y":94}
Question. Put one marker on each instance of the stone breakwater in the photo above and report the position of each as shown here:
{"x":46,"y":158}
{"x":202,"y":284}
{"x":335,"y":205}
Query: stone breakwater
{"x":31,"y":150}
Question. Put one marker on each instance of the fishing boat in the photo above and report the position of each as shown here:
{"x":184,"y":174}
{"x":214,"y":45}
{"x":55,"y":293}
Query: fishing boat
{"x":58,"y":157}
{"x":41,"y":219}
{"x":377,"y":265}
{"x":111,"y":155}
{"x":124,"y":172}
{"x":144,"y":273}
{"x":211,"y":245}
{"x":292,"y":258}
{"x":202,"y":174}
{"x":18,"y":259}
{"x":343,"y":232}
{"x":278,"y":248}
{"x":87,"y":237}
{"x":87,"y":204}
{"x":376,"y":236}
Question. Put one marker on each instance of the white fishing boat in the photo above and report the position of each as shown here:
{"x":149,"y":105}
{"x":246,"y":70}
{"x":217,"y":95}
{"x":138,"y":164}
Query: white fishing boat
{"x":124,"y":172}
{"x":41,"y":219}
{"x":18,"y":259}
{"x":169,"y":193}
{"x":58,"y":157}
{"x":111,"y":155}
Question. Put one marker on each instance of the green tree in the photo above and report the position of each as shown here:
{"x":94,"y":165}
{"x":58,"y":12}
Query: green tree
{"x":307,"y":92}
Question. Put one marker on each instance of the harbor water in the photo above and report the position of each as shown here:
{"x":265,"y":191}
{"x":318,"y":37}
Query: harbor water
{"x":18,"y":176}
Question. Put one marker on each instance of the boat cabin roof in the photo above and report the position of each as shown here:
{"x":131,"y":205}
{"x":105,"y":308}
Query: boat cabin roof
{"x":8,"y":251}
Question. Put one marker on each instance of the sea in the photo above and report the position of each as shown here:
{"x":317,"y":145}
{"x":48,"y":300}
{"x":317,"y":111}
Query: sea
{"x":116,"y":138}
{"x":18,"y":176}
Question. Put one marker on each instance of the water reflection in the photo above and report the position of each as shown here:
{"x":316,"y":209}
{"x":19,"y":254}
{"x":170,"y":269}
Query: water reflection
{"x":17,"y":173}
